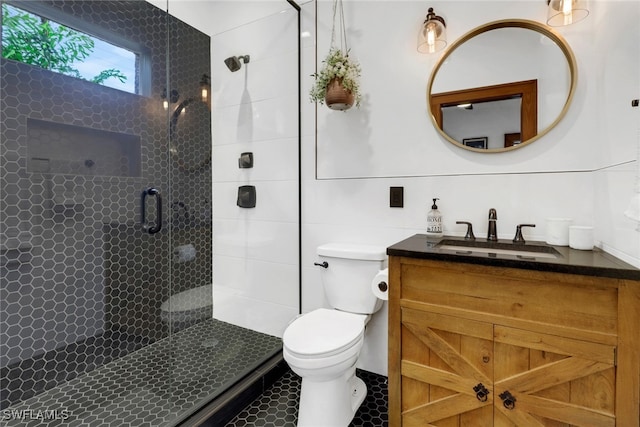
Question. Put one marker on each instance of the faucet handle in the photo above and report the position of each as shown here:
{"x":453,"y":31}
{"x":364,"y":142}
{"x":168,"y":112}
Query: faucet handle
{"x":518,"y":238}
{"x":469,"y":235}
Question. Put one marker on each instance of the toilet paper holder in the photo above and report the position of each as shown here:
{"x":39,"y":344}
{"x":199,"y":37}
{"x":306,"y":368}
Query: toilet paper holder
{"x":383,"y":286}
{"x":380,"y":284}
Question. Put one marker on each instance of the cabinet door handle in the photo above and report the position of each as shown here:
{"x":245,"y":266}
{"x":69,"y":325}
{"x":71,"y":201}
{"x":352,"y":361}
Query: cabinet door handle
{"x":481,"y":392}
{"x":508,"y":400}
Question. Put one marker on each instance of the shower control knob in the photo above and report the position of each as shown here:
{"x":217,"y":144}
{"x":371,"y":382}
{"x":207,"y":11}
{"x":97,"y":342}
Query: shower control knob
{"x":245,"y":161}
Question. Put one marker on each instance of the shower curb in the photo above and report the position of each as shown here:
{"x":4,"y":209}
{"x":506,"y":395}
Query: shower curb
{"x":225,"y":407}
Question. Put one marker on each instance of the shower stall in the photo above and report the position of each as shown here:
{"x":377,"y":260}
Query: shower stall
{"x":107,"y":219}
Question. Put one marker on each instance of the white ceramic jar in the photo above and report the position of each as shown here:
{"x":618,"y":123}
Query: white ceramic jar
{"x":581,"y":237}
{"x":558,"y":231}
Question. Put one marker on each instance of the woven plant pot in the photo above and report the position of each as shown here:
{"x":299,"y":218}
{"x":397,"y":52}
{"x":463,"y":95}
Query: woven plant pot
{"x":337,"y":97}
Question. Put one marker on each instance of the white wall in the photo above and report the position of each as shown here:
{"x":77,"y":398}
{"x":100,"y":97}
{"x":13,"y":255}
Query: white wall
{"x":217,"y":16}
{"x":255,"y":256}
{"x":617,"y":71}
{"x":255,"y":251}
{"x":390,"y":141}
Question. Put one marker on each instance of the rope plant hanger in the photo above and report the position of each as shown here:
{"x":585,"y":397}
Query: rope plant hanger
{"x":342,"y":32}
{"x":337,"y":83}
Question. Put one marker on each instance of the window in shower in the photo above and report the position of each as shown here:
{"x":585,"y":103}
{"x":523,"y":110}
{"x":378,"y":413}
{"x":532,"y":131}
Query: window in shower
{"x":41,"y":38}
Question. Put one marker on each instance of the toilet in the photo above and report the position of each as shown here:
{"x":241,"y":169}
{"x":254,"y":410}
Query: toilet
{"x":187,"y":308}
{"x":323,"y":345}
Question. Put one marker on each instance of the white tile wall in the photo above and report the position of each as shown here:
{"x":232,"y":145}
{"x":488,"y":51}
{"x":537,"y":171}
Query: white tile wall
{"x":275,"y":161}
{"x":617,"y":72}
{"x":255,"y":313}
{"x":255,"y":109}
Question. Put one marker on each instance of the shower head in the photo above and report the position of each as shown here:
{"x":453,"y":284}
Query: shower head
{"x":235,"y":62}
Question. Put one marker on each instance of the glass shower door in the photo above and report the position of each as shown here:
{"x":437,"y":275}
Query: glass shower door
{"x":82,"y":281}
{"x":106,"y":219}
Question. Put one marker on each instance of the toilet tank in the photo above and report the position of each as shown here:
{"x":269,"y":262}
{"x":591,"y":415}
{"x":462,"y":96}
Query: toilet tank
{"x":347,"y":279}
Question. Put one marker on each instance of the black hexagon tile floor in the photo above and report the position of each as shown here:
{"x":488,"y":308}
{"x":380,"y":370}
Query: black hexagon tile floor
{"x":154,"y":386}
{"x":278,"y":406}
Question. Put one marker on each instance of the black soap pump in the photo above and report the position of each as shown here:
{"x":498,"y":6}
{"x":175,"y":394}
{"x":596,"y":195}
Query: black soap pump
{"x":434,"y":221}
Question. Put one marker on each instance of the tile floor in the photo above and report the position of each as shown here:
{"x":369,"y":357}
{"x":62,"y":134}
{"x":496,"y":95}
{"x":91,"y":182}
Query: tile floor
{"x":154,"y":386}
{"x":30,"y":377}
{"x":278,"y":405}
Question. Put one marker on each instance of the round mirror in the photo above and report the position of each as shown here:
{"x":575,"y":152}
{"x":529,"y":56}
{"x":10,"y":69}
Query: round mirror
{"x":190,"y":136}
{"x":502,"y":86}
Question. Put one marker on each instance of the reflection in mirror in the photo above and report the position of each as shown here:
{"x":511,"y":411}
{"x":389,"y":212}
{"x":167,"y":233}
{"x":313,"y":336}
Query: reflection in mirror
{"x":463,"y":120}
{"x":495,"y":111}
{"x":524,"y":65}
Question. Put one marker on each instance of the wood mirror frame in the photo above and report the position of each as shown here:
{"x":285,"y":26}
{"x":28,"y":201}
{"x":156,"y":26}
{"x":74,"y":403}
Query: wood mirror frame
{"x":529,"y":131}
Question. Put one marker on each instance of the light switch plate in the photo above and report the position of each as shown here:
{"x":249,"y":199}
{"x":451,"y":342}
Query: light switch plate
{"x":396,"y":197}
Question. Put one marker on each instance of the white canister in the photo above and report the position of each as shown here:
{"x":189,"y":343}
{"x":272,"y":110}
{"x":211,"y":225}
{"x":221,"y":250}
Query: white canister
{"x":581,"y":237}
{"x":558,"y":231}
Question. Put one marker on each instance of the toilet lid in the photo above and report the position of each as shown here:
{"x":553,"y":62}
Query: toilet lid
{"x":190,"y":299}
{"x":323,"y":331}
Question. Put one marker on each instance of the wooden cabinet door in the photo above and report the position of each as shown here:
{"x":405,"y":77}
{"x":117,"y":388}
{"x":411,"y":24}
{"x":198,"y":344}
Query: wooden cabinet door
{"x":555,"y":381}
{"x":443,"y":359}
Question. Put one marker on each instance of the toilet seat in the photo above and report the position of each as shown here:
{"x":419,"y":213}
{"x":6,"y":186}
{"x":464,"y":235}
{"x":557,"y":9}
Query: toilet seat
{"x":323,"y":333}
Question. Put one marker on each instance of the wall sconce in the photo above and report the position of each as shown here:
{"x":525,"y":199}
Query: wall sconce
{"x":566,"y":12}
{"x":173,"y":98}
{"x":204,"y":88}
{"x":433,"y":34}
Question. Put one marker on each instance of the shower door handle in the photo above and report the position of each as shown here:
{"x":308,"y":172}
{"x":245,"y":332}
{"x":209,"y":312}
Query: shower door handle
{"x":143,"y":207}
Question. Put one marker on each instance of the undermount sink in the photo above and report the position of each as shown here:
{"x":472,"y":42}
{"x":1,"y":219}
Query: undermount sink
{"x":522,"y":251}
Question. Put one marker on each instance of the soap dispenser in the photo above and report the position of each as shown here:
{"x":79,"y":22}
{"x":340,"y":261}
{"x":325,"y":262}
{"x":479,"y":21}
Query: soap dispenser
{"x":434,"y":221}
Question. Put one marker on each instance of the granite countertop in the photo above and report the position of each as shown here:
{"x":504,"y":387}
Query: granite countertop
{"x":571,"y":261}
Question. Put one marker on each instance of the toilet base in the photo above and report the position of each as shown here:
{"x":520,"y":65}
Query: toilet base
{"x":330,"y":403}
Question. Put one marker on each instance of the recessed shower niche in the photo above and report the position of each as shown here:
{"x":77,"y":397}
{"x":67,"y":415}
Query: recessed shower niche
{"x":76,"y":150}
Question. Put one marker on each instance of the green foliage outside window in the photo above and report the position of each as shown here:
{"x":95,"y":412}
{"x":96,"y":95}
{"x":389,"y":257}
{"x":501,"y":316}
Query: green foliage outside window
{"x":37,"y":41}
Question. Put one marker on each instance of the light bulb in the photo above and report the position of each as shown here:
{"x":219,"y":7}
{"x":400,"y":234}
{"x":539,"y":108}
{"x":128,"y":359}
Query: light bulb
{"x":431,"y":37}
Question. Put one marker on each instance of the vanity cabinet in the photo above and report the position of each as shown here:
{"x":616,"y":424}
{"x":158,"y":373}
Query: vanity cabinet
{"x":480,"y":345}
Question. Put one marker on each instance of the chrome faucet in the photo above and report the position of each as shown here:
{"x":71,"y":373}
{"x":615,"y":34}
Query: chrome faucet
{"x":492,"y":233}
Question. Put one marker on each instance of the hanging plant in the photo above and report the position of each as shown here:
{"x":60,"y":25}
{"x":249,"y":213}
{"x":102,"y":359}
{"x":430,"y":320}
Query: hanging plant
{"x":338,"y":83}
